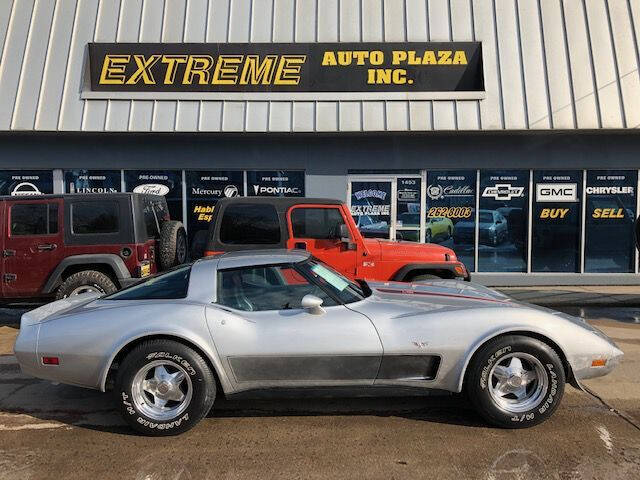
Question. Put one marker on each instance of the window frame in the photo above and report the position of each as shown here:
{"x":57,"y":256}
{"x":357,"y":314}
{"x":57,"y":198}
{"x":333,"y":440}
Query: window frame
{"x":294,"y":266}
{"x":48,"y":219}
{"x":281,"y":234}
{"x":186,"y":266}
{"x":88,"y":202}
{"x":312,"y":207}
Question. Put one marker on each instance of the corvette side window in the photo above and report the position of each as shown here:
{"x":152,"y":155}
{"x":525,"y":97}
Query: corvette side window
{"x":255,"y":289}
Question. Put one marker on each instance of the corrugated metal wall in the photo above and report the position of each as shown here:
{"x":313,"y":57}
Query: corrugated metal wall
{"x":549,"y":64}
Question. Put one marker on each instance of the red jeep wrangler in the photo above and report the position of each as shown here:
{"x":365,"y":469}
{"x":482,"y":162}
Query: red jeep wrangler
{"x":68,"y":244}
{"x":326,"y":229}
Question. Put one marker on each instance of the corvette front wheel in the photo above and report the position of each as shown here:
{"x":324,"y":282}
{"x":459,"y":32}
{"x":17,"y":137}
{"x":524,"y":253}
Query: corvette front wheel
{"x":515,"y":381}
{"x":164,"y":388}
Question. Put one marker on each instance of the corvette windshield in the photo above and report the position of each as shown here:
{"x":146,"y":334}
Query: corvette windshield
{"x":339,"y":286}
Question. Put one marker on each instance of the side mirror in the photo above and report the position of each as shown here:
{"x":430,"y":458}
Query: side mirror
{"x":343,"y":233}
{"x":313,"y":304}
{"x":345,"y":237}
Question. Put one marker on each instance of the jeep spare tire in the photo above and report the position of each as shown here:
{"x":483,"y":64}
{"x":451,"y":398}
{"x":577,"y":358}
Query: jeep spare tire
{"x":173,"y":245}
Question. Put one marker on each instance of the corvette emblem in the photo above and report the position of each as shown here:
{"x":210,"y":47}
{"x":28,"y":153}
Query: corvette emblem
{"x":420,"y":344}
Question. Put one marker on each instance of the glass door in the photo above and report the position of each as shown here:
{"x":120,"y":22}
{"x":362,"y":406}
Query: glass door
{"x":372,"y":206}
{"x":388,"y":207}
{"x":408,"y":206}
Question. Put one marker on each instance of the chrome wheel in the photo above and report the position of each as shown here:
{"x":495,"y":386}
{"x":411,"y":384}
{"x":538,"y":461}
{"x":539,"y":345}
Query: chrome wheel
{"x":518,"y":382}
{"x":162,"y":390}
{"x":86,"y":289}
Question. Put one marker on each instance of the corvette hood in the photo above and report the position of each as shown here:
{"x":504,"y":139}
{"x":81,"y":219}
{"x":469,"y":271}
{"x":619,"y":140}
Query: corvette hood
{"x":454,"y":290}
{"x":397,"y":299}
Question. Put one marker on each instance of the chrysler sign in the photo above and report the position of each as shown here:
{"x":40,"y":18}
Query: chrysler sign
{"x":265,"y":71}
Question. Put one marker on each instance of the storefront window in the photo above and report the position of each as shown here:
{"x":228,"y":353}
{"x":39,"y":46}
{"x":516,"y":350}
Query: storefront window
{"x":204,"y":189}
{"x":557,"y":217}
{"x":158,"y":182}
{"x":275,"y":183}
{"x":610,"y":215}
{"x":451,"y":221}
{"x":408,"y":209}
{"x":92,"y":181}
{"x":502,"y":222}
{"x":26,"y":182}
{"x":371,"y":207}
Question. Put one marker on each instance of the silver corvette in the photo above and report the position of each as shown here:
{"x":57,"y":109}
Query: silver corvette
{"x":283,"y":321}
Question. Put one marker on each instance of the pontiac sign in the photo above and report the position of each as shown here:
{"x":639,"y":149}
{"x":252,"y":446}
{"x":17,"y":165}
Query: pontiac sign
{"x":285,"y":71}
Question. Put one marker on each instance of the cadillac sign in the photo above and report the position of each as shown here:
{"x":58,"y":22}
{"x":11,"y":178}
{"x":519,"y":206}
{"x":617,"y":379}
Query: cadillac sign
{"x":286,"y":71}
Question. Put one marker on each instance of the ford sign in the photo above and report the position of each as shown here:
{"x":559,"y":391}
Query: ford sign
{"x":152,"y":189}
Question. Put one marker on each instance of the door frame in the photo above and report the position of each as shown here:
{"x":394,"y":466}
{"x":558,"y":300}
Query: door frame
{"x":393,"y":178}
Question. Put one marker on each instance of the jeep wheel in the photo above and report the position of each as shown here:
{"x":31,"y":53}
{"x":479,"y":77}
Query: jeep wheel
{"x":164,"y":388}
{"x":424,"y":278}
{"x":85,"y":282}
{"x":173,"y":245}
{"x":515,"y":381}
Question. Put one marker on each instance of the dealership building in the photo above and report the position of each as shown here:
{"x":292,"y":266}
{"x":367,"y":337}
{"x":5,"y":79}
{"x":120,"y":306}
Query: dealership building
{"x":506,"y":130}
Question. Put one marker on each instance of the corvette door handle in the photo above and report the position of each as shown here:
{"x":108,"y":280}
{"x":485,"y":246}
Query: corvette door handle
{"x":47,"y":246}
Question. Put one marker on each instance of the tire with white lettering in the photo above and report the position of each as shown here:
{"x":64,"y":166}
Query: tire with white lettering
{"x":164,"y":388}
{"x":515,"y":381}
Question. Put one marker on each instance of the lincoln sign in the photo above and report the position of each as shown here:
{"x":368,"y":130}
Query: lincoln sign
{"x":285,"y":71}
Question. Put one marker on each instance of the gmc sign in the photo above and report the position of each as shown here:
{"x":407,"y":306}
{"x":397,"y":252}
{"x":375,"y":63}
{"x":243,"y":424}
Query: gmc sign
{"x":556,"y":192}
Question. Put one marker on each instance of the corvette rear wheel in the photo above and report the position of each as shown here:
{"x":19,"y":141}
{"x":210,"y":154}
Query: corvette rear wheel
{"x":515,"y":381}
{"x":164,"y":388}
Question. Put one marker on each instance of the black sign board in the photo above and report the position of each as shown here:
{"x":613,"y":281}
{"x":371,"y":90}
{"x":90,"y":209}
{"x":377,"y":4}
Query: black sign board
{"x":204,"y":189}
{"x":26,"y":182}
{"x":451,"y":218}
{"x":275,"y":183}
{"x":167,"y":183}
{"x":609,"y":220}
{"x":408,"y":204}
{"x":92,"y":181}
{"x":411,"y":67}
{"x":371,"y":207}
{"x":556,"y":236}
{"x":503,"y":220}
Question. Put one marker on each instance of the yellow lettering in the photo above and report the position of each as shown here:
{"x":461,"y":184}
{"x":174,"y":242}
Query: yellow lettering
{"x":399,"y":76}
{"x":172,"y":62}
{"x":144,"y":70}
{"x":413,"y":60}
{"x":429,"y":58}
{"x":398,"y":56}
{"x":376,"y":57}
{"x":255,"y":72}
{"x":197,"y":65}
{"x":460,"y":58}
{"x":360,"y":56}
{"x":444,"y":57}
{"x":113,"y":69}
{"x":329,"y":59}
{"x":288,"y":72}
{"x":226,"y":71}
{"x":344,"y":58}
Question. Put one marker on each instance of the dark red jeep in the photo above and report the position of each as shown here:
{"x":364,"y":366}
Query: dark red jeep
{"x":61,"y":245}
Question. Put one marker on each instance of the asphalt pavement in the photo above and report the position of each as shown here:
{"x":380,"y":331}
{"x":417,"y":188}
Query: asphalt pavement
{"x":60,"y":431}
